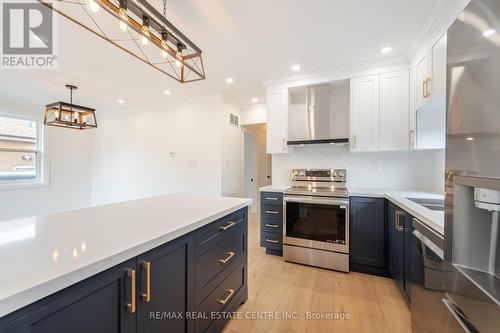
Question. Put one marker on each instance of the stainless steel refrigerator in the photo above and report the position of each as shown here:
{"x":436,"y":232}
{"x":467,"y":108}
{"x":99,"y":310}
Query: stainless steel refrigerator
{"x":472,"y":251}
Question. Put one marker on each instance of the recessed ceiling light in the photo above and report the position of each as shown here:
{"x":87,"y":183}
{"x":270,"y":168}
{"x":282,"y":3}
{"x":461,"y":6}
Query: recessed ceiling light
{"x":296,"y":68}
{"x":490,"y":32}
{"x":255,"y":100}
{"x":470,"y":138}
{"x":386,"y":50}
{"x":229,"y":80}
{"x":120,"y":101}
{"x":167,"y":92}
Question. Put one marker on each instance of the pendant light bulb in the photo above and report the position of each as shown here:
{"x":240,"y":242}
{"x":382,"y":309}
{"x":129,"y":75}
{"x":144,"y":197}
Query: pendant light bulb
{"x":145,"y":30}
{"x":123,"y":26}
{"x":164,"y":38}
{"x":178,"y":56}
{"x":122,"y":12}
{"x":94,"y":7}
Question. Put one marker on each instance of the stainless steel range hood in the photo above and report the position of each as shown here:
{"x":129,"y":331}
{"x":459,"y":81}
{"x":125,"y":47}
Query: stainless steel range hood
{"x":319,"y":115}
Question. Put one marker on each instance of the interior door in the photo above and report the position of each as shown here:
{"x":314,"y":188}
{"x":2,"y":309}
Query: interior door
{"x":250,"y":169}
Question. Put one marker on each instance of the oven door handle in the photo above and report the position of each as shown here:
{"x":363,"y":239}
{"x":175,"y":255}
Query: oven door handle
{"x":343,"y":204}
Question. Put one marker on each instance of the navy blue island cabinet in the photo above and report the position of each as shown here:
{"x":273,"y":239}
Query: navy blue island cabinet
{"x":185,"y":285}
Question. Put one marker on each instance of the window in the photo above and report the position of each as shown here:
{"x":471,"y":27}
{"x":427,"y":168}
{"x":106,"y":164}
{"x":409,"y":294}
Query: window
{"x":20,"y":150}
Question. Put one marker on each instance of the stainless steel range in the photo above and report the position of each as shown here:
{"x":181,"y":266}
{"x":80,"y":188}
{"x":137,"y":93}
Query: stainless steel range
{"x":316,"y":219}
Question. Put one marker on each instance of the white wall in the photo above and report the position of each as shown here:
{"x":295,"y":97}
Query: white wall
{"x":422,"y":170}
{"x":231,"y":154}
{"x":254,"y":115}
{"x":69,"y":184}
{"x":172,"y":148}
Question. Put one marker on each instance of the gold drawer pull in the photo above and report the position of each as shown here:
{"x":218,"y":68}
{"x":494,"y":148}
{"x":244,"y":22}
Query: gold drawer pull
{"x":227,"y":226}
{"x":272,"y":212}
{"x":131,"y":305}
{"x":229,"y":256}
{"x":272,"y":198}
{"x":228,"y":297}
{"x":146,"y":297}
{"x":274,"y":241}
{"x":272,"y":225}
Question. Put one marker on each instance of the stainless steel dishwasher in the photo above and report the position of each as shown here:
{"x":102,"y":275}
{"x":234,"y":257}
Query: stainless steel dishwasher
{"x":430,"y":312}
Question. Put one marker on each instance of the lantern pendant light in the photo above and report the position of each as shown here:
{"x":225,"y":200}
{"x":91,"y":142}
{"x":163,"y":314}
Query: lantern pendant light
{"x":69,"y":115}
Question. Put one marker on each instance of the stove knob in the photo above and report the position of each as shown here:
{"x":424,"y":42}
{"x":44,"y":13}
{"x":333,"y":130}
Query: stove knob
{"x":341,"y":174}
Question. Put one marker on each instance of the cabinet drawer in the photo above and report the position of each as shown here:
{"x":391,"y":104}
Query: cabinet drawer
{"x":215,"y":264}
{"x":269,"y":225}
{"x":220,"y":298}
{"x":218,"y":231}
{"x":271,"y":212}
{"x":271,"y":240}
{"x":271,"y":198}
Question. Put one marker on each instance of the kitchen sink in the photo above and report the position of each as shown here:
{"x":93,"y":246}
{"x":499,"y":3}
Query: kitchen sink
{"x":432,"y":204}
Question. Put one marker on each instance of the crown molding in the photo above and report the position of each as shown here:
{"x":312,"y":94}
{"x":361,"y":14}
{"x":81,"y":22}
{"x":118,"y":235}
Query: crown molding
{"x":443,"y":14}
{"x":340,"y":73}
{"x":231,"y":102}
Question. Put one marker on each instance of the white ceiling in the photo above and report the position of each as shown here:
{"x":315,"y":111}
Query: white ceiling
{"x":250,"y":41}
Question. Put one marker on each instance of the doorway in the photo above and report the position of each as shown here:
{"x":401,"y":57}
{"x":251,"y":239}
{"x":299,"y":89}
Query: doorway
{"x":256,"y":163}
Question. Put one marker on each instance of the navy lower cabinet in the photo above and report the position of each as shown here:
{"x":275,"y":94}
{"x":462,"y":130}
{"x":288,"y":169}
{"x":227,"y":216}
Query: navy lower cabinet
{"x":165,"y":279}
{"x":400,"y":231}
{"x":97,"y":305}
{"x":172,"y":288}
{"x":367,"y":230}
{"x":271,"y":222}
{"x":396,"y":244}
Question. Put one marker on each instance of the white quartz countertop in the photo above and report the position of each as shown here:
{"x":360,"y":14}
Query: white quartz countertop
{"x":274,"y":188}
{"x":44,"y":254}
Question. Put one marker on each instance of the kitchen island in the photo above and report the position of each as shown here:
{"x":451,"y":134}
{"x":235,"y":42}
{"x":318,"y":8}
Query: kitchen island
{"x":107,"y":268}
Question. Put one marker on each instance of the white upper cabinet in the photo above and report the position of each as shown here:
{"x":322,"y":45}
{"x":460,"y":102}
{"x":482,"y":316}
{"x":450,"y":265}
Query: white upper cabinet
{"x":365,"y":115}
{"x":427,"y":116}
{"x":395,"y":111}
{"x":422,"y":77}
{"x":277,"y":120}
{"x":438,"y":83}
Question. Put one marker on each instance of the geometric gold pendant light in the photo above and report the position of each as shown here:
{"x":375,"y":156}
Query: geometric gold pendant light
{"x":139,"y":29}
{"x":69,"y":115}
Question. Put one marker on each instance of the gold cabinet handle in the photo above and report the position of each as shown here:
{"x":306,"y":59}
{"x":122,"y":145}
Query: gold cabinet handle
{"x":227,"y":226}
{"x":229,"y":256}
{"x":427,"y":81}
{"x":272,"y":212}
{"x":275,"y":226}
{"x":273,"y":241}
{"x":228,"y":297}
{"x":424,"y":93}
{"x":146,"y":297}
{"x":399,"y":227}
{"x":131,"y":305}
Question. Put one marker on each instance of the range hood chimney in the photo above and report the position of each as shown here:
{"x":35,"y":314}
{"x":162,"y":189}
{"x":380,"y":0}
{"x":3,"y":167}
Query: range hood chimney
{"x":319,"y":115}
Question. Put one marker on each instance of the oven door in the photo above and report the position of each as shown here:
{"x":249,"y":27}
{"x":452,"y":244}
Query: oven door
{"x":316,"y":222}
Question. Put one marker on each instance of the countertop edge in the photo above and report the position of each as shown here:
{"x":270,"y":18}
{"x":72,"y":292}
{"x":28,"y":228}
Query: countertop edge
{"x":29,"y":296}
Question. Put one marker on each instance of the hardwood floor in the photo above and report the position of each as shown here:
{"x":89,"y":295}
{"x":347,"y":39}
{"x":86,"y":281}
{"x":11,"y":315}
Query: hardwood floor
{"x":374,"y":304}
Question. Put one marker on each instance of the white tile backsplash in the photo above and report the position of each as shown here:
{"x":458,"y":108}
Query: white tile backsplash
{"x":416,"y":170}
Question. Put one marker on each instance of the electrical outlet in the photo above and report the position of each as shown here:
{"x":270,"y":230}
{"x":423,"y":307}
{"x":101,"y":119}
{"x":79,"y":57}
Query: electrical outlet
{"x":172,"y":154}
{"x":375,"y":166}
